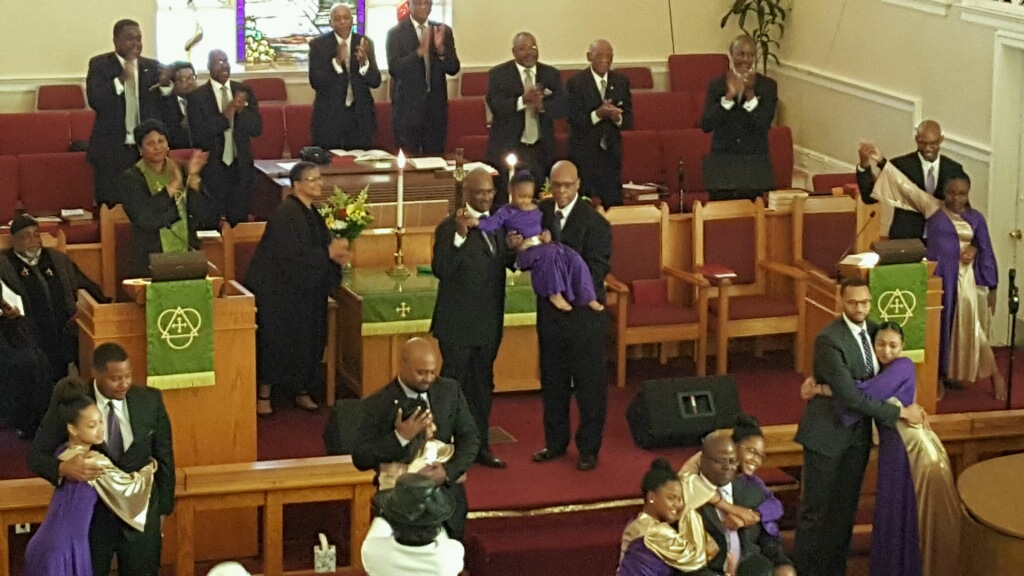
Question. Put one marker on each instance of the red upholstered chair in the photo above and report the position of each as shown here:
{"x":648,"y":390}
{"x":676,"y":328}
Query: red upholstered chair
{"x":8,"y":188}
{"x":649,"y":301}
{"x":270,"y":144}
{"x":466,"y":117}
{"x":829,"y":182}
{"x":689,"y":147}
{"x":268,"y":89}
{"x":473,"y":84}
{"x":80,"y":123}
{"x":662,"y":111}
{"x":384,"y":138}
{"x":50,"y":182}
{"x":780,"y":145}
{"x":641,"y":157}
{"x":475,"y":148}
{"x":34,"y":133}
{"x":567,"y":74}
{"x":824,"y":228}
{"x":640,"y":77}
{"x":297,"y":118}
{"x":732,"y":234}
{"x":693,"y":72}
{"x":60,"y":97}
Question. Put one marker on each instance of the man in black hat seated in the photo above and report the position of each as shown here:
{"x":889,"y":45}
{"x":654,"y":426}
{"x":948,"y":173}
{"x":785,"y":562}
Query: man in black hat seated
{"x":407,"y":537}
{"x":400,"y":422}
{"x":46,"y":282}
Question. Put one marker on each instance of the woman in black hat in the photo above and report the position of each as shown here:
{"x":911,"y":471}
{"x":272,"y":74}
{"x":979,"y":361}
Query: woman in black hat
{"x":407,"y":537}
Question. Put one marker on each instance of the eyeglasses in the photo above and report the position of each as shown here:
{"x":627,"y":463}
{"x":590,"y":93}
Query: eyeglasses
{"x":725,"y":462}
{"x":753,"y":452}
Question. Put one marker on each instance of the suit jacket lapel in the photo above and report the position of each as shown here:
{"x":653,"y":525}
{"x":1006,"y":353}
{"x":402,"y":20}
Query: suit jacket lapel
{"x":134,"y":413}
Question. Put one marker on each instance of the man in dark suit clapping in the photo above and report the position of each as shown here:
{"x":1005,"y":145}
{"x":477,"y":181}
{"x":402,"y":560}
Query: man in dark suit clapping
{"x":118,"y":88}
{"x":525,"y":98}
{"x":138,"y":430}
{"x":740,"y":104}
{"x":387,"y":435}
{"x":599,"y":108}
{"x":836,"y":455}
{"x":470,"y":310}
{"x":421,"y":54}
{"x":224,"y":116}
{"x":925,"y":167}
{"x":342,"y":71}
{"x":174,"y":107}
{"x":572,"y":344}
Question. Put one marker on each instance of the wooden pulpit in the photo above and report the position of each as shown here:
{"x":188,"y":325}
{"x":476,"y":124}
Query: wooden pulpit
{"x":211,"y":424}
{"x":825,"y":305}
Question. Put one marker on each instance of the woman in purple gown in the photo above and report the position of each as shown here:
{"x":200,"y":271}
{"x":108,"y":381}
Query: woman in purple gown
{"x":558,"y":273}
{"x":61,"y":546}
{"x":916,"y":528}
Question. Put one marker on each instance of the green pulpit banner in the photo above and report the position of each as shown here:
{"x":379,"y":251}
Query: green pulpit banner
{"x":899,"y":293}
{"x":179,"y":334}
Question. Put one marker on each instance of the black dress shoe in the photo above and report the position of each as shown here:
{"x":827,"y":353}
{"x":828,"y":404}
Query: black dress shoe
{"x":586,"y":463}
{"x":487,"y":458}
{"x":545,"y":455}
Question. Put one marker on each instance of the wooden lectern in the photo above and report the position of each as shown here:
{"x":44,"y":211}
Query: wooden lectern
{"x":824,"y":305}
{"x":210,"y":424}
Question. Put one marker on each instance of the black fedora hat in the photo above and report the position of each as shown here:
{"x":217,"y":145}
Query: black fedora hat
{"x":415,"y":501}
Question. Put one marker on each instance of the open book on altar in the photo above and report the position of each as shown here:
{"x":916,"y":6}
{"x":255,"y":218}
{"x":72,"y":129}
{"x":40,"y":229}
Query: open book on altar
{"x":363,"y":155}
{"x":429,"y":163}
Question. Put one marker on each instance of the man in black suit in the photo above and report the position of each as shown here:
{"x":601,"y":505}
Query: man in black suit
{"x":926,"y":168}
{"x":387,"y":435}
{"x":735,"y":540}
{"x":738,"y":112}
{"x":470,"y":309}
{"x":835,"y":455}
{"x":599,"y":107}
{"x":174,"y":106}
{"x":138,"y":430}
{"x":421,"y":54}
{"x":525,"y":98}
{"x":572,"y":344}
{"x":342,"y":71}
{"x":223,"y":116}
{"x":118,"y":88}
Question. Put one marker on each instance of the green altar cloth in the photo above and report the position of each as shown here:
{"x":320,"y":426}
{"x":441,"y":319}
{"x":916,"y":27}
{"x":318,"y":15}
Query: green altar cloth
{"x":393,"y":305}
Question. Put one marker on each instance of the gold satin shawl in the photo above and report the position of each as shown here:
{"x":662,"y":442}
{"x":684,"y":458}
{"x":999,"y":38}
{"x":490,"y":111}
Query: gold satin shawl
{"x":390,"y":471}
{"x":684,"y":547}
{"x":127,"y":495}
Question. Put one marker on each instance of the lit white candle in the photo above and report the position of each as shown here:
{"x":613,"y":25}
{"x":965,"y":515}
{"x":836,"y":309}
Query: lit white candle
{"x":511,"y":160}
{"x":401,"y":190}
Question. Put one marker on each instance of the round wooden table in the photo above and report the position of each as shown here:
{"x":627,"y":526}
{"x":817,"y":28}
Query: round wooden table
{"x":992,"y":527}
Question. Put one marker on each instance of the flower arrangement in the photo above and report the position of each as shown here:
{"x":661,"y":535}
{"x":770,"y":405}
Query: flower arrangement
{"x":346,"y":216}
{"x":545,"y":189}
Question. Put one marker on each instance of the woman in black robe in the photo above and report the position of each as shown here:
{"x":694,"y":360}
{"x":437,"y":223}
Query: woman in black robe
{"x":296,"y":266}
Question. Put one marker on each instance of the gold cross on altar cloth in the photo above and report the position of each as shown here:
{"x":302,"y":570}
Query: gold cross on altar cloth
{"x":403,"y":309}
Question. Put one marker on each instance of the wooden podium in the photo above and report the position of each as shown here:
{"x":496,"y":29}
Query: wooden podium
{"x":992,"y":517}
{"x":824,"y":305}
{"x":211,"y":424}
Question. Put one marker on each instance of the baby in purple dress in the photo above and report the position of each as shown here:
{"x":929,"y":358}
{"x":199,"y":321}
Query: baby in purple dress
{"x":557,"y":272}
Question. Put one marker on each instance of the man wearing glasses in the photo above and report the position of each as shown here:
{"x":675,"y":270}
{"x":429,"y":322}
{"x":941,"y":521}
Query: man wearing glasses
{"x":174,"y":107}
{"x":836,"y":455}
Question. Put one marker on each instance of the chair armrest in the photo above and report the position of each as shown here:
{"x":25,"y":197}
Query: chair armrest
{"x":688,"y":277}
{"x":784,"y":269}
{"x":615,"y":285}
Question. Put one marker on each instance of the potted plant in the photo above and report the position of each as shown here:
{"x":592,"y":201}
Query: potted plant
{"x":761,"y":20}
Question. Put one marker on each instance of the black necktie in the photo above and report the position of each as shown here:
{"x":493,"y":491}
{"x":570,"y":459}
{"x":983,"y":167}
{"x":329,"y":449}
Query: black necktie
{"x":866,"y":346}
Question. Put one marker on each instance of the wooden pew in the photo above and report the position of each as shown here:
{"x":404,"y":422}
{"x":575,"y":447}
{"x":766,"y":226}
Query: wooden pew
{"x":269,"y":485}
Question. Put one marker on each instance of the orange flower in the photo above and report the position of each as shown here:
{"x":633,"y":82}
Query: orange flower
{"x":342,"y":213}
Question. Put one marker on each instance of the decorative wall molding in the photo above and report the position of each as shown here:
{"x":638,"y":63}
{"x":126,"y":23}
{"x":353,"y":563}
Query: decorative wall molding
{"x":851,"y":87}
{"x":936,"y":7}
{"x":1008,"y":17}
{"x":814,"y":162}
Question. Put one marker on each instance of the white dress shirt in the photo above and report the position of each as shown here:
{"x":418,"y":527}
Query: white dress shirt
{"x":926,"y":166}
{"x":566,"y":211}
{"x":604,"y":96}
{"x":384,"y":556}
{"x":520,"y":105}
{"x":460,"y":239}
{"x":120,"y":411}
{"x":732,"y":536}
{"x":415,"y":395}
{"x":856,"y":330}
{"x":338,"y":67}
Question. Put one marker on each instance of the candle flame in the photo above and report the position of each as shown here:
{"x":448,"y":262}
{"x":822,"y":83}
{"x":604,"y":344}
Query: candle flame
{"x":511,"y":160}
{"x":401,"y":159}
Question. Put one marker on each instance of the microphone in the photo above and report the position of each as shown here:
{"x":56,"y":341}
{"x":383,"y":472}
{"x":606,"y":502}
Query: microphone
{"x":857,"y":237}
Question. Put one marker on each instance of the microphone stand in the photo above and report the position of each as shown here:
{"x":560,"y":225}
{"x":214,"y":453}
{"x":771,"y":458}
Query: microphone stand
{"x":1014,"y":302}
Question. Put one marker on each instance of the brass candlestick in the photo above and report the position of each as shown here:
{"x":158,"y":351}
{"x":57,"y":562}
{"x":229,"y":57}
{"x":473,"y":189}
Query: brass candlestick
{"x":399,"y":269}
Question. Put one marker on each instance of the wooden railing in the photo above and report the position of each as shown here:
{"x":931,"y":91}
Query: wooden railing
{"x":269,"y":485}
{"x":968,"y":437}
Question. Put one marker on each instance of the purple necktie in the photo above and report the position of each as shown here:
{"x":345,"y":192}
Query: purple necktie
{"x":115,"y":441}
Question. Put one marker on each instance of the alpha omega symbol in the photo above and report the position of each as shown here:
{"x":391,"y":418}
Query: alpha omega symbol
{"x":179,"y":326}
{"x":897,"y":306}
